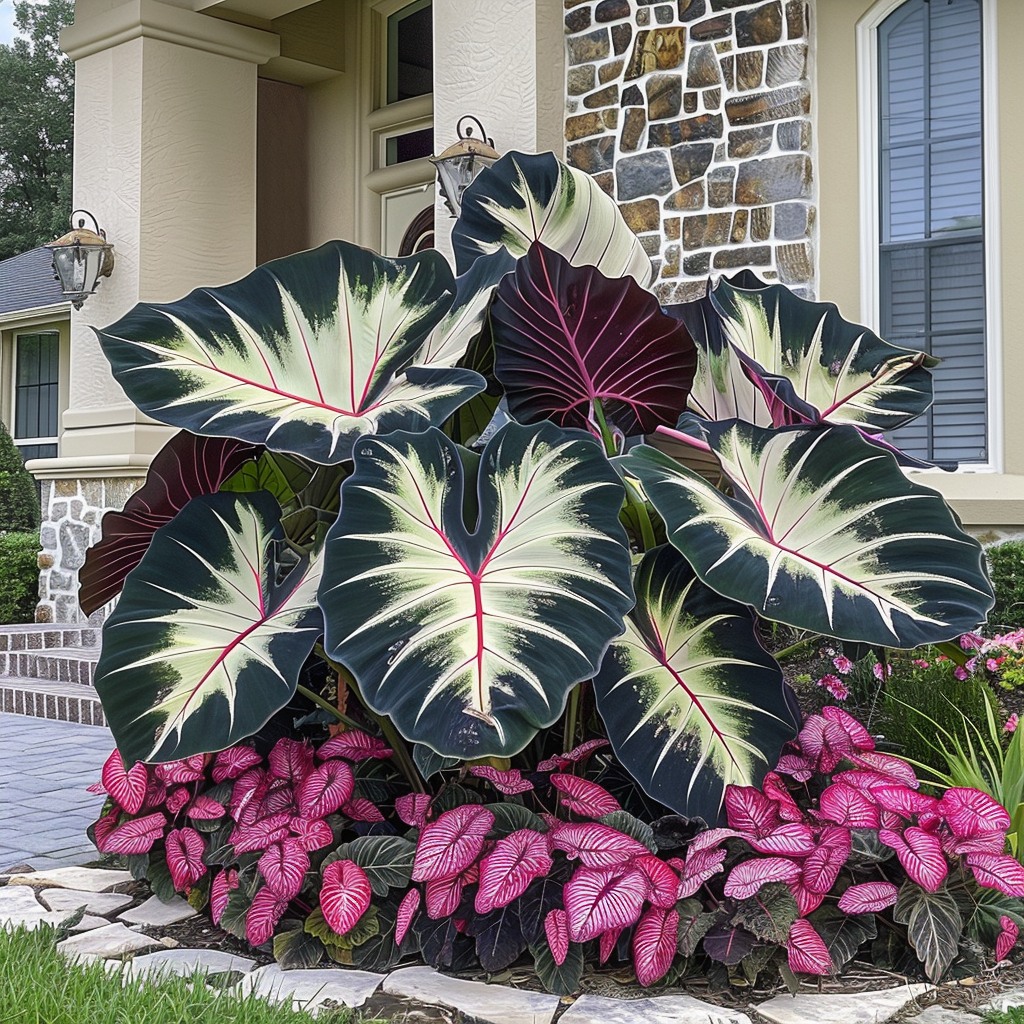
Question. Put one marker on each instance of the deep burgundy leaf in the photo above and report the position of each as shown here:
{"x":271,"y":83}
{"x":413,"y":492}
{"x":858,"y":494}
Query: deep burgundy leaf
{"x":185,"y":467}
{"x":868,"y":898}
{"x":448,"y":846}
{"x":325,"y":789}
{"x":355,"y":745}
{"x":556,"y":930}
{"x":507,"y":871}
{"x":654,"y":944}
{"x":266,"y":909}
{"x":729,"y":944}
{"x":345,"y":895}
{"x":584,"y":797}
{"x":565,"y":336}
{"x":126,"y":788}
{"x":406,"y":912}
{"x":185,"y":848}
{"x":135,"y":836}
{"x":808,"y":953}
{"x":599,"y":899}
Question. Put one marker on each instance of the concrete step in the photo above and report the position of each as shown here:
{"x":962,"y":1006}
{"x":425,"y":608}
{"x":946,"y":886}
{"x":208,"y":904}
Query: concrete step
{"x":62,"y":702}
{"x":56,"y":665}
{"x":46,"y":635}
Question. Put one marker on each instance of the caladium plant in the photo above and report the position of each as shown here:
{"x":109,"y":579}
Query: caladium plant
{"x":340,"y":492}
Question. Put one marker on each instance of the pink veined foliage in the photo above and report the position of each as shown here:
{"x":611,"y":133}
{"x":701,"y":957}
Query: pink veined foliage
{"x":443,"y":896}
{"x":355,"y":745}
{"x":584,"y":797}
{"x":204,"y":808}
{"x":178,"y":799}
{"x":698,"y":868}
{"x":448,"y":846}
{"x":508,"y":782}
{"x":600,"y":899}
{"x":654,"y":944}
{"x":412,"y":808}
{"x":189,"y":769}
{"x":786,"y":807}
{"x":266,"y":909}
{"x":868,"y":898}
{"x":969,"y":812}
{"x":607,"y":943}
{"x":284,"y":866}
{"x":749,"y":811}
{"x":998,"y":871}
{"x":595,"y":844}
{"x":312,"y":834}
{"x":920,"y":854}
{"x":258,"y":836}
{"x":578,"y":755}
{"x":361,"y":809}
{"x":859,"y":736}
{"x":291,"y":759}
{"x":807,"y":951}
{"x":712,"y":837}
{"x":663,"y":881}
{"x":220,"y":889}
{"x":887,"y":765}
{"x":747,"y":877}
{"x":345,"y":895}
{"x":1009,"y":932}
{"x":185,"y":850}
{"x":325,"y":789}
{"x":821,"y":869}
{"x":847,"y":806}
{"x":556,"y":931}
{"x":126,"y":788}
{"x":104,"y":825}
{"x":790,"y":840}
{"x":508,"y":869}
{"x":406,"y":914}
{"x":231,"y":763}
{"x":137,"y":835}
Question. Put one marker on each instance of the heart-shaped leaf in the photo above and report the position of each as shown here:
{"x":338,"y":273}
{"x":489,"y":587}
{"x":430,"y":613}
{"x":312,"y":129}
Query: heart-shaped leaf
{"x":566,"y":337}
{"x":471,"y":641}
{"x":284,"y":866}
{"x":823,"y":532}
{"x":525,"y":198}
{"x":313,"y":835}
{"x":584,"y":797}
{"x":601,"y":899}
{"x":508,"y":869}
{"x":185,"y":848}
{"x":699,"y":866}
{"x":230,"y":763}
{"x":136,"y":835}
{"x":305,"y":354}
{"x":355,"y":745}
{"x":1009,"y":932}
{"x":808,"y":953}
{"x":998,"y":871}
{"x":184,"y":468}
{"x":556,"y":930}
{"x":845,"y":805}
{"x":921,"y":855}
{"x":969,"y":812}
{"x":448,"y":846}
{"x":266,"y":910}
{"x":325,"y":789}
{"x":746,"y":878}
{"x":596,"y":845}
{"x":691,"y":701}
{"x":127,"y":788}
{"x":654,"y":944}
{"x":345,"y":895}
{"x":868,"y":898}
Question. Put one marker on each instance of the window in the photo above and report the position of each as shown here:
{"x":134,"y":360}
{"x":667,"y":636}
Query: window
{"x":36,"y":375}
{"x":931,"y":257}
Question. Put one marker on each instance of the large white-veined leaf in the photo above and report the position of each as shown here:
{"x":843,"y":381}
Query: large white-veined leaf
{"x":206,"y":643}
{"x":526,"y":198}
{"x":691,"y":700}
{"x":823,"y":532}
{"x":304,"y":355}
{"x":470,"y":636}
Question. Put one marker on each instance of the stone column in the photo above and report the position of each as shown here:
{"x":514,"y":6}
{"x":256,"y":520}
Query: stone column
{"x":165,"y":157}
{"x":504,"y":63}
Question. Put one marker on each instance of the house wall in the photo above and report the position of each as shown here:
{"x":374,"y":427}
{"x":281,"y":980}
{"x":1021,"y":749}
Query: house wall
{"x":696,"y":117}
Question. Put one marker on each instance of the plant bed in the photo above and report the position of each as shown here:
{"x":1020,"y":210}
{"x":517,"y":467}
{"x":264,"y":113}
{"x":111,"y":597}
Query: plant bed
{"x":439,"y":627}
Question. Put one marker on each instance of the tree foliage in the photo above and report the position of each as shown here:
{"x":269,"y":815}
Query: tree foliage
{"x":36,"y":128}
{"x":19,"y":500}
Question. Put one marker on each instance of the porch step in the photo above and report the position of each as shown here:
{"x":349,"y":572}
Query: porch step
{"x":39,"y":636}
{"x":56,"y":665}
{"x":61,"y":702}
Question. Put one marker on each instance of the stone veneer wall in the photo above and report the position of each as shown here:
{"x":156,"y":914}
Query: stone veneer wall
{"x":72,"y":510}
{"x":694,"y":115}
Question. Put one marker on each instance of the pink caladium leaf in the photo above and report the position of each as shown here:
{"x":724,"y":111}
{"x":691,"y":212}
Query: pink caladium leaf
{"x":807,"y":901}
{"x":231,"y":763}
{"x":712,"y":837}
{"x":356,"y":745}
{"x":312,"y":834}
{"x":266,"y":909}
{"x":775,"y":789}
{"x":862,"y":779}
{"x":807,"y":951}
{"x":137,"y":835}
{"x":204,"y":808}
{"x":344,"y":896}
{"x":664,"y":882}
{"x":920,"y":854}
{"x":259,"y":835}
{"x":607,"y":943}
{"x":790,"y":840}
{"x":361,"y":809}
{"x":699,"y":866}
{"x":983,"y":842}
{"x":185,"y":848}
{"x":412,"y":808}
{"x":595,"y":844}
{"x":886,"y":764}
{"x":444,"y":896}
{"x":104,"y":825}
{"x":512,"y":864}
{"x":969,"y":811}
{"x":584,"y":797}
{"x":284,"y":866}
{"x":178,"y":799}
{"x":847,"y":806}
{"x":156,"y":793}
{"x":859,"y":736}
{"x":825,"y":743}
{"x":279,"y":797}
{"x":998,"y":871}
{"x":220,"y":888}
{"x":406,"y":912}
{"x":821,"y":868}
{"x":189,"y":769}
{"x":575,"y":756}
{"x":750,"y":811}
{"x":509,"y":782}
{"x":448,"y":846}
{"x":126,"y":788}
{"x":654,"y":944}
{"x":325,"y":789}
{"x":746,"y":878}
{"x":96,"y":787}
{"x":246,"y":795}
{"x":903,"y":800}
{"x":1007,"y":938}
{"x":291,"y":760}
{"x":795,"y":765}
{"x":600,"y":899}
{"x":556,"y":930}
{"x":868,"y":898}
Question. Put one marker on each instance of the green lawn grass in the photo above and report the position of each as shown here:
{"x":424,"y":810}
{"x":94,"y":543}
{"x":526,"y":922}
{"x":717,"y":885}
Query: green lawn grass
{"x":1014,"y":1015}
{"x":38,"y":986}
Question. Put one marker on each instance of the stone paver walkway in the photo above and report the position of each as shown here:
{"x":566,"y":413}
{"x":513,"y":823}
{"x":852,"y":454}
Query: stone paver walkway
{"x":45,"y":767}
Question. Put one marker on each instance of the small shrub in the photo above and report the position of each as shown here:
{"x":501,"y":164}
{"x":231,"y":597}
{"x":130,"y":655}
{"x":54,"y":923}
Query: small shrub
{"x":1006,"y":568}
{"x":19,"y":499}
{"x":19,"y":577}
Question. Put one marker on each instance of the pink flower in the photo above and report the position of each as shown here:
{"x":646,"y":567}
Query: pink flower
{"x":835,"y":686}
{"x":843,"y":665}
{"x":960,"y":672}
{"x":992,"y":664}
{"x":1011,"y":723}
{"x":971,"y":641}
{"x":880,"y":671}
{"x":920,"y":663}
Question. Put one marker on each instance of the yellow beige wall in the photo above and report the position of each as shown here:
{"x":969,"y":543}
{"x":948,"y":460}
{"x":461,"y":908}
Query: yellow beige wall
{"x":988,"y":502}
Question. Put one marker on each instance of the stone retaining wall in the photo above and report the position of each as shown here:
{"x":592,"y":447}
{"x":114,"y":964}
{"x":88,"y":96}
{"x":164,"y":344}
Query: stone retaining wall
{"x":695,"y":115}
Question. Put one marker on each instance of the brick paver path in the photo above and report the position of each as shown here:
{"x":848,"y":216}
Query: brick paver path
{"x":44,"y":808}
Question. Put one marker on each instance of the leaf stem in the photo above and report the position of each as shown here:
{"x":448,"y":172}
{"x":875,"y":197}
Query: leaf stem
{"x":571,"y":714}
{"x":610,"y":448}
{"x":327,"y":706}
{"x":639,"y":508}
{"x":792,"y":649}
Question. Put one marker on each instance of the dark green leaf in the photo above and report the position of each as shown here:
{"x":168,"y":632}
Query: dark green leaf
{"x":295,"y":950}
{"x":769,"y":914}
{"x":559,"y":979}
{"x":843,"y":934}
{"x":934,"y":926}
{"x":387,"y":861}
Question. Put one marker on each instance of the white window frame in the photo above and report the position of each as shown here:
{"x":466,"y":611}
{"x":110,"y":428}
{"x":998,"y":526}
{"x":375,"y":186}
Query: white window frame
{"x":870,"y":148}
{"x":15,"y":341}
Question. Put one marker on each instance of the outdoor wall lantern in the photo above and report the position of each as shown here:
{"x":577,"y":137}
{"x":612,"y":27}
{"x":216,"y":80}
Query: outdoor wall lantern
{"x":462,"y":161}
{"x":81,"y":258}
